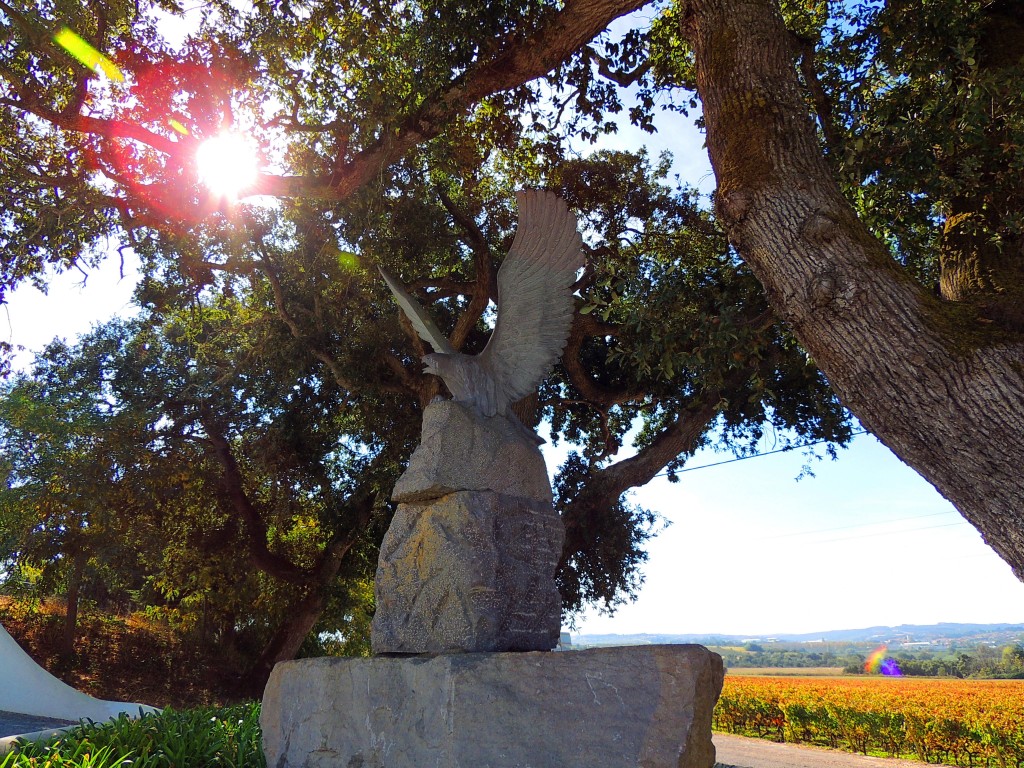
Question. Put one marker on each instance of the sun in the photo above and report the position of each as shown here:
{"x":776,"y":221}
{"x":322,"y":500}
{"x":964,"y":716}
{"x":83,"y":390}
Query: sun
{"x":227,"y":164}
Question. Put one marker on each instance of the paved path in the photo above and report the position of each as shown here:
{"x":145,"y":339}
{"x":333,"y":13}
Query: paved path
{"x":760,"y":753}
{"x":12,"y":724}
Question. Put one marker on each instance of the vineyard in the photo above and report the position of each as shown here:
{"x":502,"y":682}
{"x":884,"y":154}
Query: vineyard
{"x":956,"y":722}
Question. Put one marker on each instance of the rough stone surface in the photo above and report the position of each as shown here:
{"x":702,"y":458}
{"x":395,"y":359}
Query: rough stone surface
{"x":472,"y":571}
{"x":460,"y":450}
{"x":647,"y":706}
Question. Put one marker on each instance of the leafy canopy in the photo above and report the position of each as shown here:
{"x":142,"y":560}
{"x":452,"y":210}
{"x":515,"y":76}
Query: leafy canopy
{"x":268,"y":395}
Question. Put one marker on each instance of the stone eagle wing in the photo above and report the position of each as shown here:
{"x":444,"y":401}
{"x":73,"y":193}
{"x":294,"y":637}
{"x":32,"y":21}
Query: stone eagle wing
{"x":535,"y":303}
{"x":418,"y":316}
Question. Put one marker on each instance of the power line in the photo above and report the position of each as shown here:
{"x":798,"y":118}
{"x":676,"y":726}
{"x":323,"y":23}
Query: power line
{"x":892,"y":533}
{"x":859,"y":525}
{"x":838,"y":528}
{"x":754,"y":456}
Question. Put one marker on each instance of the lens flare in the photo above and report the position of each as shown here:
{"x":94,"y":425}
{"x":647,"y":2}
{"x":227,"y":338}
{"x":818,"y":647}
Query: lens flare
{"x":227,"y":165}
{"x":348,"y":261}
{"x":877,"y":663}
{"x":85,"y":53}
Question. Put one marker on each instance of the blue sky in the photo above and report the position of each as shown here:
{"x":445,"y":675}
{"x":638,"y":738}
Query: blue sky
{"x":866,"y":541}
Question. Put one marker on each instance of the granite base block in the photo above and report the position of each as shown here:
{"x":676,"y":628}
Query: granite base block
{"x":472,"y":571}
{"x":647,"y":706}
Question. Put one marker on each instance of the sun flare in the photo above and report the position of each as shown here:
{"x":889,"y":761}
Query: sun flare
{"x":227,"y":164}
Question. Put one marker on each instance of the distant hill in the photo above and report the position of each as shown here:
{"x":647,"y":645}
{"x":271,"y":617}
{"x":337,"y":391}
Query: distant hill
{"x":903,"y":632}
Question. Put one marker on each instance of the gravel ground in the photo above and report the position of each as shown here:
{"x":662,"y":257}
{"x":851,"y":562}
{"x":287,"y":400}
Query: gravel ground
{"x":12,"y":724}
{"x":740,"y":752}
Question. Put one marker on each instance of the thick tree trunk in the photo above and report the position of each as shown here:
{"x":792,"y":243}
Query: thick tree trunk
{"x":70,"y":636}
{"x":976,"y":270}
{"x":925,"y":376}
{"x":975,"y":267}
{"x":302,"y":617}
{"x":288,"y":638}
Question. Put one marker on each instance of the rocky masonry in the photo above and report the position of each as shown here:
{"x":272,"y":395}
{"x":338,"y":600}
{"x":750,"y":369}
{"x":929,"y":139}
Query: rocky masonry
{"x":644,"y":706}
{"x":468,"y":563}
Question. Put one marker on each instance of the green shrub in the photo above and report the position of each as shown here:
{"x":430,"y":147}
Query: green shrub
{"x":195,"y":738}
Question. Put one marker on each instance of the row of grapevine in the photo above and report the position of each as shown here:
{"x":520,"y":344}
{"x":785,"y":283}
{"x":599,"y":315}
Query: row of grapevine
{"x":956,"y":722}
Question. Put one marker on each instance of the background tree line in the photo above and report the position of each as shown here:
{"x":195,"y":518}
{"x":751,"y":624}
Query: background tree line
{"x":978,"y":660}
{"x":982,"y":661}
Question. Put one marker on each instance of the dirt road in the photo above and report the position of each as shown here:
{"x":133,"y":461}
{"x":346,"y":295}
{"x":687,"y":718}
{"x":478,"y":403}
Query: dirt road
{"x":759,"y":753}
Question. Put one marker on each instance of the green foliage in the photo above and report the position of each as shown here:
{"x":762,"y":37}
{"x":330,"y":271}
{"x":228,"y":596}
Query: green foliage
{"x":222,"y":737}
{"x":255,"y":329}
{"x":605,"y":568}
{"x":790,"y":656}
{"x":925,"y":102}
{"x":66,"y":455}
{"x":984,"y":661}
{"x":158,"y":523}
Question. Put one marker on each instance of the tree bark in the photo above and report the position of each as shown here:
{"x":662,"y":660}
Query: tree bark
{"x":302,"y":616}
{"x":517,"y":60}
{"x":974,"y":267}
{"x":924,"y":375}
{"x":70,"y":636}
{"x":233,"y":484}
{"x":288,"y":639}
{"x":314,"y":582}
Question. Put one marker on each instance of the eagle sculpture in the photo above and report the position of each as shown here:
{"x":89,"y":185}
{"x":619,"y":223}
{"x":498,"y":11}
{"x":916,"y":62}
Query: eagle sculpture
{"x":535,"y":308}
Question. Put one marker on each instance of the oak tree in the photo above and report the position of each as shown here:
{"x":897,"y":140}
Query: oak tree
{"x":865,"y":177}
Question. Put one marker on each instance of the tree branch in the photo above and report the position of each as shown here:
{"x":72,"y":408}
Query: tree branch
{"x":605,"y":563}
{"x":516,"y":62}
{"x":486,"y":284}
{"x":821,"y":101}
{"x":585,"y":327}
{"x":395,"y":366}
{"x":256,"y":529}
{"x":522,"y":60}
{"x":297,"y":332}
{"x":682,"y":436}
{"x":288,"y":638}
{"x":624,"y":79}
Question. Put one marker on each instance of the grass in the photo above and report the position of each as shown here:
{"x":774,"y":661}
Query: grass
{"x":208,"y":737}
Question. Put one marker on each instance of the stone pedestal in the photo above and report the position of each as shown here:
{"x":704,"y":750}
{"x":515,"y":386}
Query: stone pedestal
{"x":472,"y":571}
{"x":469,"y":561}
{"x":646,"y":706}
